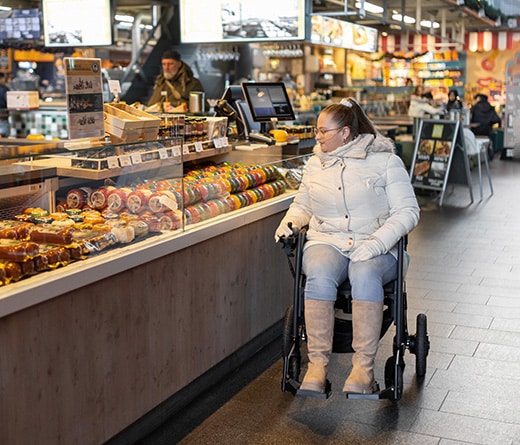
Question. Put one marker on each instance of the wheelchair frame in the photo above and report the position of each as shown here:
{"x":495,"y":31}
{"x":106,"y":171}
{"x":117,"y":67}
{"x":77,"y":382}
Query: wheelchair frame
{"x":395,"y":312}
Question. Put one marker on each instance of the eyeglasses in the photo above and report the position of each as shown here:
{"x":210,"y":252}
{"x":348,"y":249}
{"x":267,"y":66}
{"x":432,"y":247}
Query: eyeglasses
{"x":322,"y":132}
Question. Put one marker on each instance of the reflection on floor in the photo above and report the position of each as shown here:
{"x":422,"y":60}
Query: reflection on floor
{"x":465,"y":275}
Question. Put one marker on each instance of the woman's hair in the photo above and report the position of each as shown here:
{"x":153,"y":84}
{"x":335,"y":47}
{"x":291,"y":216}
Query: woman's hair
{"x":350,"y":114}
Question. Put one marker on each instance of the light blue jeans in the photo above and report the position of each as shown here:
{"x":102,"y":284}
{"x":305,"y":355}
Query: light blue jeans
{"x":325,"y":268}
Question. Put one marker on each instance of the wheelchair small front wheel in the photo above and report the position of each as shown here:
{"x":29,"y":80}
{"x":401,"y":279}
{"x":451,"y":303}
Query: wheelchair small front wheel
{"x":422,"y":345}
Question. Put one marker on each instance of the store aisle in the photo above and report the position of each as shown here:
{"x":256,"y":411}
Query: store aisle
{"x":465,"y":275}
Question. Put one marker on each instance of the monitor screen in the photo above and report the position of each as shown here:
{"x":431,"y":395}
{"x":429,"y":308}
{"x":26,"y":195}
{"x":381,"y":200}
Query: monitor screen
{"x":206,"y":21}
{"x":23,"y":24}
{"x":268,"y":101}
{"x":76,"y":23}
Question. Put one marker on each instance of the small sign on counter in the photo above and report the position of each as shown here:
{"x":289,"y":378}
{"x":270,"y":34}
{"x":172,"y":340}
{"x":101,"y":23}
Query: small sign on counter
{"x":84,"y":90}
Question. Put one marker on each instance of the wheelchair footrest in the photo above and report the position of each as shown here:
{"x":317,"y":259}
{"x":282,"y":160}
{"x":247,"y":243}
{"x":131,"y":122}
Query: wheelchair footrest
{"x":319,"y":395}
{"x":371,"y":396}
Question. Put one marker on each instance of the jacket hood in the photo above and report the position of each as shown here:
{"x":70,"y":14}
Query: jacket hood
{"x":358,"y":149}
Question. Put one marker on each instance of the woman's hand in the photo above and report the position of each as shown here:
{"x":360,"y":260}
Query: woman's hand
{"x":285,"y":229}
{"x":367,"y":250}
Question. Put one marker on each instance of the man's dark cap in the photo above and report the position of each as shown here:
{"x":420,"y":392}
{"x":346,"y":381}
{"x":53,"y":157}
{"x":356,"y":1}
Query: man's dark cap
{"x":171,"y":54}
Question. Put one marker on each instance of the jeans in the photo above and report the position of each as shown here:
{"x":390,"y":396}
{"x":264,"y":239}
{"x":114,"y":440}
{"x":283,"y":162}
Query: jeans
{"x":325,"y":268}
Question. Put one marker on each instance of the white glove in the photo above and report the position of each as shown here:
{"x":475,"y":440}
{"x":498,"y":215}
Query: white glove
{"x":367,"y":250}
{"x":284,"y":230}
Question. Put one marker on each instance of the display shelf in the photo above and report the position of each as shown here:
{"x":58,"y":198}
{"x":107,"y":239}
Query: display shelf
{"x":64,"y":168}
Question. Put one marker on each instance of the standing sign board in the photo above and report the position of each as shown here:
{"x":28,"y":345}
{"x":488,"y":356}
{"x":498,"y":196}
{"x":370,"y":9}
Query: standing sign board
{"x":84,"y":90}
{"x":512,"y":121}
{"x":436,"y":157}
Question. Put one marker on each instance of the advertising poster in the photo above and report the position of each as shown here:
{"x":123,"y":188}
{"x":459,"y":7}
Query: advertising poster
{"x":433,"y":153}
{"x":84,"y":90}
{"x":436,"y":160}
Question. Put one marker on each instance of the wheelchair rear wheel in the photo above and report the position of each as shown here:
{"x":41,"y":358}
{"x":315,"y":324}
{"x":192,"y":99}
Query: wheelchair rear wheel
{"x":291,"y":346}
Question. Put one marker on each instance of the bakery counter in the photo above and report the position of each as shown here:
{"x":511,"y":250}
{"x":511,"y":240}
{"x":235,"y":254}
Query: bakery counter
{"x":47,"y":285}
{"x":89,"y":349}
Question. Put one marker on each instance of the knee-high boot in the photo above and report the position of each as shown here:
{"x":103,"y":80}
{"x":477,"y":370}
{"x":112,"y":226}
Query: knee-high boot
{"x":367,"y":318}
{"x":319,"y":323}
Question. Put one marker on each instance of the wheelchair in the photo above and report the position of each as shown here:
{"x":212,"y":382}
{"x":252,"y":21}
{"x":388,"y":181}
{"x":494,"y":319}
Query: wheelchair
{"x":294,"y":335}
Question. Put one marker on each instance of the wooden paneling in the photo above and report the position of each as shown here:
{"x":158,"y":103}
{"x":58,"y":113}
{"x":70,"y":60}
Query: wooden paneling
{"x":81,"y":367}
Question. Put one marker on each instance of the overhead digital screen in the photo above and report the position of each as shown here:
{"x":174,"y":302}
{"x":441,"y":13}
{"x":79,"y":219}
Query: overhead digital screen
{"x":75,"y":23}
{"x":241,"y":20}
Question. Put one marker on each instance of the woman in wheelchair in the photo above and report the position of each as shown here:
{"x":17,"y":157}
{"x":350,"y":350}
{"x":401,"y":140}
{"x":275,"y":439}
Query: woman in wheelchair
{"x":357,"y":200}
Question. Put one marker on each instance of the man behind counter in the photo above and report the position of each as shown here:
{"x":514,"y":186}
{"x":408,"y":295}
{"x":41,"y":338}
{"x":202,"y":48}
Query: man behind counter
{"x":177,"y":80}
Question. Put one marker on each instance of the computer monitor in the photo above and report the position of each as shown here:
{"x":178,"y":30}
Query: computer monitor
{"x":233,"y":93}
{"x":268,"y":101}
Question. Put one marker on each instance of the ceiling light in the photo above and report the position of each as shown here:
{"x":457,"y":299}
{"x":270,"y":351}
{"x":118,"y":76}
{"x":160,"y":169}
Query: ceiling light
{"x":429,"y":24}
{"x":124,"y":18}
{"x":5,"y":8}
{"x":369,"y":7}
{"x":399,"y":18}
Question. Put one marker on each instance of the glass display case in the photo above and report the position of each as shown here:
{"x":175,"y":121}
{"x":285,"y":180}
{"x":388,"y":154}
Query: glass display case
{"x":67,"y":201}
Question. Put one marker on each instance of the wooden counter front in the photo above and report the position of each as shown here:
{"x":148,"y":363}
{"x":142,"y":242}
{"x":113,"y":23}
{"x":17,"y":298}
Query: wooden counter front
{"x":96,"y":350}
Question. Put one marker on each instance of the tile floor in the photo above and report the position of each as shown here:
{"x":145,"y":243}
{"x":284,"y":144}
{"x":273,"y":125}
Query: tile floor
{"x":465,"y":276}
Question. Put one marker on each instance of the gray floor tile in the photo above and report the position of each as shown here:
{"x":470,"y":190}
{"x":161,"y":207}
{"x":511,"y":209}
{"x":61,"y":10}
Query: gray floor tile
{"x":465,"y":428}
{"x":490,"y":336}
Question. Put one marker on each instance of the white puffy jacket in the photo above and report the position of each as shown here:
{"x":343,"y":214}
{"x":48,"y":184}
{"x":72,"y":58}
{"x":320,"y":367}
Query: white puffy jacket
{"x":359,"y":190}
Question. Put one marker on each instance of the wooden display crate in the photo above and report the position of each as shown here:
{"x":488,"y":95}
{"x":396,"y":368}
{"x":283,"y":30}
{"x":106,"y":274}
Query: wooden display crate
{"x":122,"y":126}
{"x":151,"y":123}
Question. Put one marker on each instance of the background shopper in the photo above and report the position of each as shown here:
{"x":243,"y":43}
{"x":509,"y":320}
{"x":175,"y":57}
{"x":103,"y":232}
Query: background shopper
{"x":358,"y":201}
{"x":421,"y":104}
{"x":454,"y":102}
{"x":483,"y":114}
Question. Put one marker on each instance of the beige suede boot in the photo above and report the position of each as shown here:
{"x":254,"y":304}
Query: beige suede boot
{"x":319,"y":323}
{"x":367,"y":318}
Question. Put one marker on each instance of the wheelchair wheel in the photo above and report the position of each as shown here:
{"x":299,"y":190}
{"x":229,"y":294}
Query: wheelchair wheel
{"x":393,"y":379}
{"x":294,"y":358}
{"x":422,"y":345}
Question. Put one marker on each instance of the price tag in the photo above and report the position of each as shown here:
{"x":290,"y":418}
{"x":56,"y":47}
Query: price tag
{"x":113,"y":162}
{"x":217,"y":142}
{"x":163,"y":153}
{"x":198,"y":146}
{"x":225,"y":142}
{"x":176,"y":150}
{"x":125,"y":161}
{"x":185,"y":150}
{"x":114,"y":87}
{"x":136,"y":158}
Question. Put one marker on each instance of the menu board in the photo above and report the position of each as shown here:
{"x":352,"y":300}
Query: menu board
{"x":339,"y":33}
{"x":435,"y":157}
{"x":84,"y":90}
